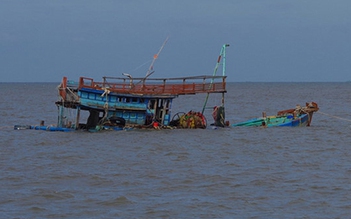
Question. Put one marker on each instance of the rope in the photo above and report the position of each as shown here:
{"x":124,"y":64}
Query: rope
{"x":76,"y":97}
{"x":142,"y":65}
{"x":337,"y":117}
{"x":107,"y":91}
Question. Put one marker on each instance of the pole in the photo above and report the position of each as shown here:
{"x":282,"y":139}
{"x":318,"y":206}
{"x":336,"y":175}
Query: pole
{"x":221,"y":54}
{"x":149,"y":71}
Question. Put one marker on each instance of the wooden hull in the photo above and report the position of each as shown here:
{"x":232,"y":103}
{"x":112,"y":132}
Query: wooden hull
{"x":300,"y":116}
{"x":276,"y":121}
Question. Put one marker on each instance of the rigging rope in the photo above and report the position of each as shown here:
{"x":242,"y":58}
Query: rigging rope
{"x":337,"y":117}
{"x":76,"y":97}
{"x":142,"y":65}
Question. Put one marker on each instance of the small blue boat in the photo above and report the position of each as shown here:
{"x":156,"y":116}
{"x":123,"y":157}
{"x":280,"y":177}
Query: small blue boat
{"x":43,"y":127}
{"x":300,"y":116}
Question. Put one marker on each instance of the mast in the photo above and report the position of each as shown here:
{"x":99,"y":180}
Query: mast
{"x":149,"y":71}
{"x":220,"y":57}
{"x":151,"y":67}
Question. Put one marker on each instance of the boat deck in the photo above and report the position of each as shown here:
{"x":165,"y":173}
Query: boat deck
{"x":158,"y":86}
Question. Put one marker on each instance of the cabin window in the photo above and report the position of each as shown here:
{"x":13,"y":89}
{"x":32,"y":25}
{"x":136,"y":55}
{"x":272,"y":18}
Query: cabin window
{"x":98,"y":97}
{"x":84,"y":95}
{"x":113,"y":99}
{"x":92,"y":96}
{"x":135,"y":100}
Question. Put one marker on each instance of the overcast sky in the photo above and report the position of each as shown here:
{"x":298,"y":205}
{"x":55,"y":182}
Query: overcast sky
{"x":270,"y":40}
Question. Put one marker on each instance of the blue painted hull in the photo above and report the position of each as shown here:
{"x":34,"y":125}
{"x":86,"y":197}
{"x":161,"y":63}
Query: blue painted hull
{"x":60,"y":129}
{"x":43,"y":127}
{"x":301,"y":120}
{"x":277,"y":121}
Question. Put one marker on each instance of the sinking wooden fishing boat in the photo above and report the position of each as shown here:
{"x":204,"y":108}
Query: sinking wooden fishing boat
{"x":119,"y":103}
{"x":299,"y":116}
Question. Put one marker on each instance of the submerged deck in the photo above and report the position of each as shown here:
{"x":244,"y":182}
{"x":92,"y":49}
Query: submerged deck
{"x":157,"y":86}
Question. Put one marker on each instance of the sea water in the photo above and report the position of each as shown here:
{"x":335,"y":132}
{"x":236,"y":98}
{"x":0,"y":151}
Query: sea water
{"x":234,"y":172}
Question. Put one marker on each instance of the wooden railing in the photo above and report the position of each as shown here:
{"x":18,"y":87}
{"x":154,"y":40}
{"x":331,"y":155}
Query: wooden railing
{"x":158,"y":86}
